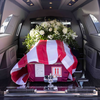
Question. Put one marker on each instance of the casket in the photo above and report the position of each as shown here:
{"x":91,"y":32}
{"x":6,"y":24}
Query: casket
{"x":47,"y":56}
{"x":38,"y":71}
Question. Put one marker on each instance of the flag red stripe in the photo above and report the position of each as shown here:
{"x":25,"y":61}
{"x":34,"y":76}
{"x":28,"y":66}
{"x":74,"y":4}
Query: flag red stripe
{"x":23,"y":62}
{"x":60,"y":48}
{"x":73,"y":66}
{"x":41,"y":52}
{"x":17,"y":74}
{"x":25,"y":78}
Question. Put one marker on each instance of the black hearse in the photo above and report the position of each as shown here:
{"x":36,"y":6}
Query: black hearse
{"x":18,"y":17}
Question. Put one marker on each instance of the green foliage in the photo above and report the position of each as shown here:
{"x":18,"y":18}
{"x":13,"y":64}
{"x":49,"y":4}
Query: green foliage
{"x":51,"y":30}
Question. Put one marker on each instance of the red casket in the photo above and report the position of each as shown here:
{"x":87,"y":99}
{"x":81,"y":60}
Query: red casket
{"x":37,"y":71}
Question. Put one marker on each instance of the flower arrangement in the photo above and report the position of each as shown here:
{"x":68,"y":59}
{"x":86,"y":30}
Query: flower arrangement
{"x":50,"y":30}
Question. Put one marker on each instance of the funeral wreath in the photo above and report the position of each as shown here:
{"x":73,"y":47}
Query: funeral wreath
{"x":50,"y":30}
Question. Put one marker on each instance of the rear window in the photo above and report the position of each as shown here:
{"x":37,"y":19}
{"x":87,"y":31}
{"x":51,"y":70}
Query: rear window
{"x":37,"y":21}
{"x":65,"y":23}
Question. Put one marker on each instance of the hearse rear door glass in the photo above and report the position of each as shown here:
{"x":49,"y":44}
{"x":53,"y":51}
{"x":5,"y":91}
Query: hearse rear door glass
{"x":5,"y":24}
{"x":19,"y":29}
{"x":96,"y":23}
{"x":82,"y":29}
{"x":2,"y":2}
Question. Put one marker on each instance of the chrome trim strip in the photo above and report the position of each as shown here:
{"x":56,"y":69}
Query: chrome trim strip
{"x":50,"y":93}
{"x":49,"y":64}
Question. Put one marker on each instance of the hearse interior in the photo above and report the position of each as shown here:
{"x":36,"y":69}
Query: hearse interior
{"x":18,"y":17}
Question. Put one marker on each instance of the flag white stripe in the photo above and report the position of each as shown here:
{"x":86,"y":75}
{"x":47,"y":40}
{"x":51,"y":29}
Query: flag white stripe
{"x":73,"y":70}
{"x":68,"y":52}
{"x":68,"y":59}
{"x":15,"y":68}
{"x":70,"y":76}
{"x":20,"y":80}
{"x":52,"y":52}
{"x":32,"y":55}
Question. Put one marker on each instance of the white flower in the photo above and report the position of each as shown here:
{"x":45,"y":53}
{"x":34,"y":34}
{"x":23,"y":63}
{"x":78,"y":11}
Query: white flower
{"x":46,"y":28}
{"x":42,"y":32}
{"x":50,"y":36}
{"x":64,"y":30}
{"x":37,"y":35}
{"x":58,"y":24}
{"x":74,"y":35}
{"x":48,"y":25}
{"x":45,"y":24}
{"x":53,"y":24}
{"x":36,"y":31}
{"x":55,"y":28}
{"x":50,"y":29}
{"x":32,"y":33}
{"x":66,"y":37}
{"x":56,"y":32}
{"x":52,"y":21}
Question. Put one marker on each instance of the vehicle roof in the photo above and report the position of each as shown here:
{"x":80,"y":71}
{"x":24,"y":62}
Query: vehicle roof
{"x":70,"y":5}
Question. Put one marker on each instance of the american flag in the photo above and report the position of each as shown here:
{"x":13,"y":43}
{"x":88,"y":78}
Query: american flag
{"x":45,"y":52}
